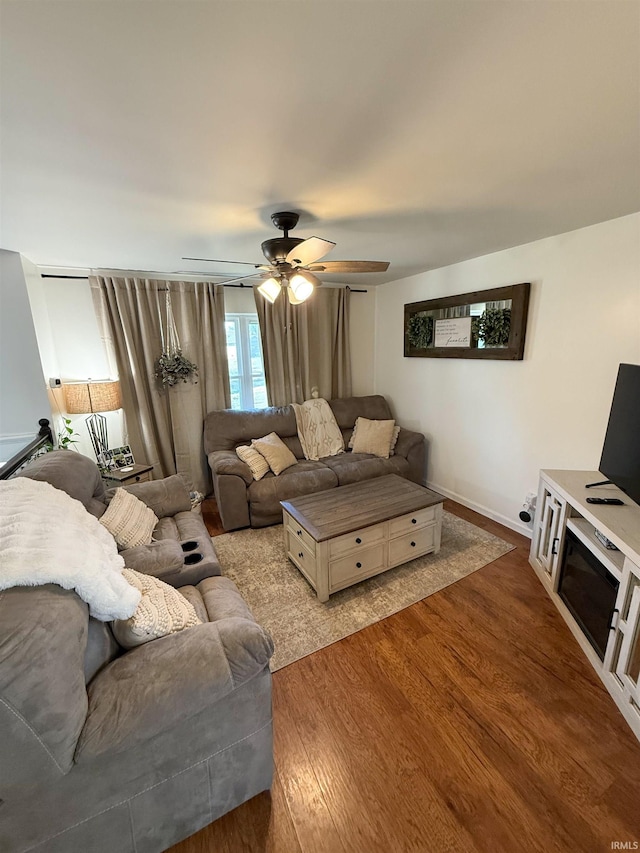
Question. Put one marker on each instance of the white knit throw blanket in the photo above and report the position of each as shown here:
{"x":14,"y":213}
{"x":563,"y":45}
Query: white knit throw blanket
{"x":48,"y":537}
{"x":318,"y":429}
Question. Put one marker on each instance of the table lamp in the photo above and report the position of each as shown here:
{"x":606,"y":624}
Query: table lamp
{"x":94,"y":397}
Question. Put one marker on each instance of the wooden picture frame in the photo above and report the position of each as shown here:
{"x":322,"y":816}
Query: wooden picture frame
{"x":482,"y":324}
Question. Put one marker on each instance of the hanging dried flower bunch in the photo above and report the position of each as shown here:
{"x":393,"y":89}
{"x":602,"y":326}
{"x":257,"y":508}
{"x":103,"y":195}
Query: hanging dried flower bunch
{"x":172,"y":366}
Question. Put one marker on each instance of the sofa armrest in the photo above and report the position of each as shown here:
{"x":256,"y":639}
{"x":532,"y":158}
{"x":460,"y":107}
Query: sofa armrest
{"x":165,"y":497}
{"x":160,"y":684}
{"x":411,"y":445}
{"x":228,"y":462}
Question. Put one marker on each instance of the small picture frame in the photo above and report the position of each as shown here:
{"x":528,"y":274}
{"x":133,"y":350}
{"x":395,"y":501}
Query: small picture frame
{"x":116,"y":458}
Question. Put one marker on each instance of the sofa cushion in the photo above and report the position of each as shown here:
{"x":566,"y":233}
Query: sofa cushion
{"x":73,"y":473}
{"x":159,"y":685}
{"x":226,"y":429}
{"x":275,"y":451}
{"x":348,"y":409}
{"x":353,"y":467}
{"x":162,"y":611}
{"x":254,"y":459}
{"x":194,"y":598}
{"x":373,"y":437}
{"x":303,"y":478}
{"x":394,"y":437}
{"x":216,"y":598}
{"x":43,"y":635}
{"x":165,"y":497}
{"x":102,"y":648}
{"x":129,"y":520}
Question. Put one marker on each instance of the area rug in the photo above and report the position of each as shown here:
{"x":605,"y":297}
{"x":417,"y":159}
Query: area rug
{"x":283,"y":602}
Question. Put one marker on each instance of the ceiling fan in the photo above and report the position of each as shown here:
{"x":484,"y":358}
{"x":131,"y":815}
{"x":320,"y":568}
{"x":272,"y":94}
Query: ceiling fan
{"x":293,"y":262}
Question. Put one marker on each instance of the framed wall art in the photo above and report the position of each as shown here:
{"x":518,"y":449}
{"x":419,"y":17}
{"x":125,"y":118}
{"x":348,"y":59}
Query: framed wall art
{"x":483,"y":324}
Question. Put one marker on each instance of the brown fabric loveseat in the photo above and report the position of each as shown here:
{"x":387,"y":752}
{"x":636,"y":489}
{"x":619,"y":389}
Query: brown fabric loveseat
{"x":243,"y":501}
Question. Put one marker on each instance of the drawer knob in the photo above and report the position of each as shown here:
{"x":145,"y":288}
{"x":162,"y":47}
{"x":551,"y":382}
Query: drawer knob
{"x":413,"y":544}
{"x":299,"y":532}
{"x":358,"y":565}
{"x":414,"y":521}
{"x":137,"y":478}
{"x":300,"y":554}
{"x":358,"y":541}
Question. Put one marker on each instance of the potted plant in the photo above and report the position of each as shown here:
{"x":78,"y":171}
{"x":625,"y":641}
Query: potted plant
{"x":172,"y":366}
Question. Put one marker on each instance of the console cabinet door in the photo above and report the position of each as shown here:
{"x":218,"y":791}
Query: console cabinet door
{"x":628,"y":665}
{"x":549,"y":533}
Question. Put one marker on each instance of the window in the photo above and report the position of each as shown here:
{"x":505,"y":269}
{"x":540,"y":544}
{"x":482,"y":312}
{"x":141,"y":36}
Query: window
{"x":246,"y":368}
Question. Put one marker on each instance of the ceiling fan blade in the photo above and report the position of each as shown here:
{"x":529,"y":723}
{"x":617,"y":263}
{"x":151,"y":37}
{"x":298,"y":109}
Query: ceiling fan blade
{"x":218,"y":261}
{"x":211,"y":275}
{"x":350,"y":266}
{"x":309,"y":251}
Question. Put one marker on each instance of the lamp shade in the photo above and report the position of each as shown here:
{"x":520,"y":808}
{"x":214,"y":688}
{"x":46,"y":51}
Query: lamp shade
{"x":270,"y":289}
{"x":84,"y":397}
{"x":301,"y":284}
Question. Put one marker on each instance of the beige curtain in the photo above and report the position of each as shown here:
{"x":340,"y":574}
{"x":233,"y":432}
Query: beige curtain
{"x":164,"y":426}
{"x":306,"y":346}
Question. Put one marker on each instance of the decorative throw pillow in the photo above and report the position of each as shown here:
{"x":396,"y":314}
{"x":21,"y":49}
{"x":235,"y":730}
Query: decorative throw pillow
{"x":256,"y":461}
{"x":394,"y":437}
{"x":373,"y":437}
{"x":129,"y":520}
{"x":275,"y":451}
{"x":162,"y":610}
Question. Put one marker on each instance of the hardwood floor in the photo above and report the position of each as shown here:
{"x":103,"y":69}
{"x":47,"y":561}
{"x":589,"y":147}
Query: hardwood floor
{"x":470,"y":721}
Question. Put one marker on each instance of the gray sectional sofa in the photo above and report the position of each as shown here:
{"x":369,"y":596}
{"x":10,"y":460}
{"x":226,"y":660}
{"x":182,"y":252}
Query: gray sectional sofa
{"x":244,"y":502}
{"x":105,"y":750}
{"x":164,"y":558}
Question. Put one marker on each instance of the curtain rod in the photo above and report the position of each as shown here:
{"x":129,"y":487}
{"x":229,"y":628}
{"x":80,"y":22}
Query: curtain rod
{"x":86,"y":278}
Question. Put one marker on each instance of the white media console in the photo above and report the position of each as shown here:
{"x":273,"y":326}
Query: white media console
{"x":564,"y":516}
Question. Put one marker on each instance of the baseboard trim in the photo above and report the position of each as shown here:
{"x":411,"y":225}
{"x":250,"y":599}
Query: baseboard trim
{"x":518,"y":526}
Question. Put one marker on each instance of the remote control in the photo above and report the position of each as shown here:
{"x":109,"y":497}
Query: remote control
{"x":612,"y":501}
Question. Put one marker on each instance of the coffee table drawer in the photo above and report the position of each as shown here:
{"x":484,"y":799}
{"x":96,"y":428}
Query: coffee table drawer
{"x":362,"y":564}
{"x":301,"y":556}
{"x":356,"y":541}
{"x":412,"y":545}
{"x":300,"y":533}
{"x":406,"y":523}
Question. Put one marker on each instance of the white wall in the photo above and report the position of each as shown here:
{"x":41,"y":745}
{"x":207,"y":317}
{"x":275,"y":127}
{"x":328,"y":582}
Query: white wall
{"x":491,"y":425}
{"x":23,"y":397}
{"x":71,"y":347}
{"x":239,"y":300}
{"x":363,"y":341}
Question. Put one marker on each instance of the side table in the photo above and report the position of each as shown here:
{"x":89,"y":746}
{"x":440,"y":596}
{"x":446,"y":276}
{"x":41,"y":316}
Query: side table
{"x":137,"y":474}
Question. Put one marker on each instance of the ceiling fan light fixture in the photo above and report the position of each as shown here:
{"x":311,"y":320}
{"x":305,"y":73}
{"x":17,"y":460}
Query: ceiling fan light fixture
{"x":293,"y":300}
{"x":302,"y":284}
{"x":270,"y":289}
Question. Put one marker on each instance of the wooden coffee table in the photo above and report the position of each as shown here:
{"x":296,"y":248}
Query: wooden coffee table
{"x":342,"y":536}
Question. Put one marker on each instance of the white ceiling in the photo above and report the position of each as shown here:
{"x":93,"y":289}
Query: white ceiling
{"x":423,"y":133}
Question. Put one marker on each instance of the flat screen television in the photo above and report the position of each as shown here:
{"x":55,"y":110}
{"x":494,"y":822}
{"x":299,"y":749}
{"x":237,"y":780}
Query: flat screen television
{"x":620,"y":461}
